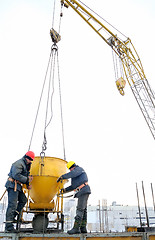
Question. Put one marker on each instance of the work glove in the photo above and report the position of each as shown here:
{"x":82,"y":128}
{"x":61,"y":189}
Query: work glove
{"x":63,"y":190}
{"x":29,"y":187}
{"x":59,"y":179}
{"x":30,"y":178}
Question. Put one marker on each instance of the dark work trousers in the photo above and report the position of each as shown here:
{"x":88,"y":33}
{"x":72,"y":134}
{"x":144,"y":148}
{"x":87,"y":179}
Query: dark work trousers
{"x":81,"y":210}
{"x":16,"y":202}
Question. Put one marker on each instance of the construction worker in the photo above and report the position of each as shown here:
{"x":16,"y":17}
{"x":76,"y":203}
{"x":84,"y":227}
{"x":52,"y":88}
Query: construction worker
{"x":18,"y":175}
{"x":79,"y":183}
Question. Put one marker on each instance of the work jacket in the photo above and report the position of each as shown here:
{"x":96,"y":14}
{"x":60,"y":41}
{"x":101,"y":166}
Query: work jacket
{"x":78,"y":177}
{"x":19,"y":171}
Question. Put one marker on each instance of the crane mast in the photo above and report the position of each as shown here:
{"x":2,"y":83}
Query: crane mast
{"x":131,"y":63}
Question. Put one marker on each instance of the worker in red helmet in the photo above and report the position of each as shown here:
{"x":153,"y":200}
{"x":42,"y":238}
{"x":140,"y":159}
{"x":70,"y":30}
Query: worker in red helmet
{"x":19,"y":174}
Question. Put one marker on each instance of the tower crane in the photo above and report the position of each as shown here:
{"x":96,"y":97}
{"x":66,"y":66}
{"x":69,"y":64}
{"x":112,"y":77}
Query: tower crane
{"x":128,"y":57}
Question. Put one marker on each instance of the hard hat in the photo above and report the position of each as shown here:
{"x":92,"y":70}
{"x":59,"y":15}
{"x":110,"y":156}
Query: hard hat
{"x":30,"y":155}
{"x":70,"y":164}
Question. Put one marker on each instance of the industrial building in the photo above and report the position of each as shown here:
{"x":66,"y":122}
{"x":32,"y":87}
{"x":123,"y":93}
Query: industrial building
{"x":113,"y":218}
{"x":101,"y":218}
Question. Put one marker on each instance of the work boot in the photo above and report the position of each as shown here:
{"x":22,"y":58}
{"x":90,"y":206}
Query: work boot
{"x":84,"y":222}
{"x":76,"y":228}
{"x":83,"y":228}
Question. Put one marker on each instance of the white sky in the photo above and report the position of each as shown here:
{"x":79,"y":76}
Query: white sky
{"x":104,"y":132}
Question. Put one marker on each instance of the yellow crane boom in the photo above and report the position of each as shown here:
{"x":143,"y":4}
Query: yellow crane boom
{"x":131,"y":63}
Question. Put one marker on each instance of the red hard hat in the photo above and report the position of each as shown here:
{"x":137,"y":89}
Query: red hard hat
{"x":30,"y":155}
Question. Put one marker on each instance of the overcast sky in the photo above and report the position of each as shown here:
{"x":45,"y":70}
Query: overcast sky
{"x":105,"y":133}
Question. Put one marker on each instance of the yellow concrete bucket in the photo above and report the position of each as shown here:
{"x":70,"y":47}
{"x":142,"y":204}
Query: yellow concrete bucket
{"x":45,"y":172}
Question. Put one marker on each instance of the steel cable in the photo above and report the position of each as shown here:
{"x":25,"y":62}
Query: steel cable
{"x":51,"y":65}
{"x":61,"y":112}
{"x":39,"y":102}
{"x":51,"y":79}
{"x":102,"y":18}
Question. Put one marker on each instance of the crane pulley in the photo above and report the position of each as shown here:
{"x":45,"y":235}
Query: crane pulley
{"x":129,"y":59}
{"x":54,"y":36}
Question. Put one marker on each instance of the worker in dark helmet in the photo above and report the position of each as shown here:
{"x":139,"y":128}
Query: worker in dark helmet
{"x":79,"y":183}
{"x":18,"y":175}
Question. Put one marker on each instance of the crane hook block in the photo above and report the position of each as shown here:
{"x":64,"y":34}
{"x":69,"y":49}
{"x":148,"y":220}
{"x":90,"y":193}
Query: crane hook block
{"x":120,"y":83}
{"x":55,"y":36}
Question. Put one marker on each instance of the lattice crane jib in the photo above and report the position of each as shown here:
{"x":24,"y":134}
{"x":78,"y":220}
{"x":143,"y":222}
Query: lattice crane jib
{"x":131,"y":63}
{"x":139,"y":85}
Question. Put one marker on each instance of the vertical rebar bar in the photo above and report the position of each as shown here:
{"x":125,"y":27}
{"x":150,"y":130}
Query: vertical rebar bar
{"x":138,"y":206}
{"x":147,"y":217}
{"x":153,"y":196}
